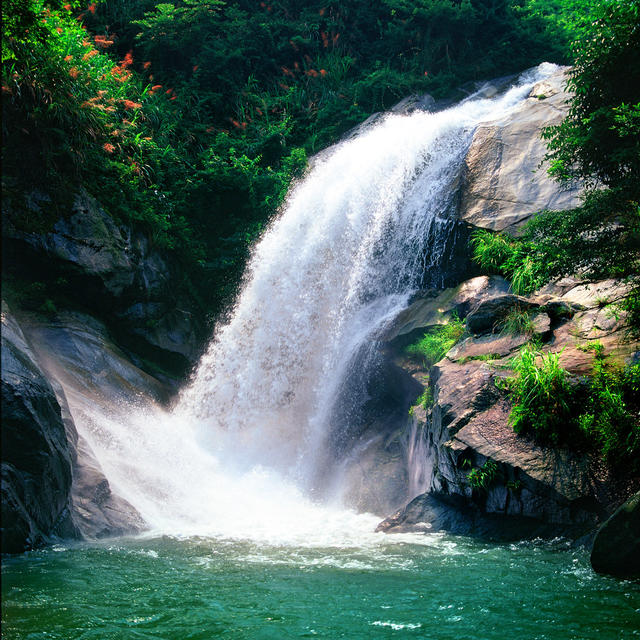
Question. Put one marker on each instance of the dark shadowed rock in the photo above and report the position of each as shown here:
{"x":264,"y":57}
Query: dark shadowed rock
{"x":121,"y":277}
{"x":616,"y":548}
{"x":37,"y":459}
{"x":488,"y":315}
{"x":87,"y":370}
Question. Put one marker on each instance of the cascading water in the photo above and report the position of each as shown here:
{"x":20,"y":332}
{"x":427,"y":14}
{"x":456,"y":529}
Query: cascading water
{"x":250,"y":435}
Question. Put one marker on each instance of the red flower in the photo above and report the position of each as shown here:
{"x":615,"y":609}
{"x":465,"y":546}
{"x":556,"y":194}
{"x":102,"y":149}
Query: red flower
{"x":92,"y":7}
{"x":146,"y":65}
{"x":130,"y":104}
{"x":74,"y":73}
{"x":108,"y":147}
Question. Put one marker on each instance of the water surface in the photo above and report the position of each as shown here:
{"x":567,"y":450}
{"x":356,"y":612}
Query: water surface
{"x":429,"y":586}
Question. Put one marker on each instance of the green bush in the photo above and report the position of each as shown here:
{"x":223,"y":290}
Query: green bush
{"x":543,"y":398}
{"x":513,"y":258}
{"x":481,"y":478}
{"x":433,"y":346}
{"x":602,"y":415}
{"x":611,"y":417}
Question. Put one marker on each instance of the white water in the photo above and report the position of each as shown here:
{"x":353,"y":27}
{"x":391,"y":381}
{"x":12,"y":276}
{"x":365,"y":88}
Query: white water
{"x":248,"y":441}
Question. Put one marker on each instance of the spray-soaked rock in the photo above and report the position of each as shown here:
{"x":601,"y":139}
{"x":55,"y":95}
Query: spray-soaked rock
{"x":37,"y":458}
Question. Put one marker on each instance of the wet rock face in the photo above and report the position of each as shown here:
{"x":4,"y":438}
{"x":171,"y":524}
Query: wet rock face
{"x":616,"y":548}
{"x":504,"y":182}
{"x":52,"y":483}
{"x":37,"y":458}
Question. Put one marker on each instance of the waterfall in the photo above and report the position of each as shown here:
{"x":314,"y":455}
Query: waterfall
{"x":250,"y":438}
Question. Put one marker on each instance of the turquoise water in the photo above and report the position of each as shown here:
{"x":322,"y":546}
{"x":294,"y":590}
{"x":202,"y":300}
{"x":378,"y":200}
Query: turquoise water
{"x":431,"y":586}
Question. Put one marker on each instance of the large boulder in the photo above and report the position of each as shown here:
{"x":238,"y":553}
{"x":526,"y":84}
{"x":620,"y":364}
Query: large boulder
{"x":504,"y":182}
{"x":616,"y":548}
{"x":84,"y":369}
{"x":37,"y":457}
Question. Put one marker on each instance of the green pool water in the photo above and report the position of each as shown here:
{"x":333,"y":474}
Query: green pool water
{"x":429,"y":586}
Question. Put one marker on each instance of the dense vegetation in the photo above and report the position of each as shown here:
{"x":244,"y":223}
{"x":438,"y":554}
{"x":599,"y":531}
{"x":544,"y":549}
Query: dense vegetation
{"x":601,"y":413}
{"x":191,"y":118}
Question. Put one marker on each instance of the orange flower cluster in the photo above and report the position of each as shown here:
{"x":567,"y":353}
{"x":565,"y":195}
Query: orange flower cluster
{"x":130,"y":104}
{"x":68,"y":57}
{"x":108,"y":147}
{"x":128,"y":60}
{"x":90,"y":54}
{"x":73,"y":72}
{"x":146,"y":65}
{"x":102,"y":41}
{"x":92,"y":8}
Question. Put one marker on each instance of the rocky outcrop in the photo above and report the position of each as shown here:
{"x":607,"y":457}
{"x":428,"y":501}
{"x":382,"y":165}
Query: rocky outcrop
{"x":53,"y":372}
{"x":36,"y":454}
{"x":121,"y":276}
{"x":504,"y":182}
{"x":616,"y":548}
{"x":549,"y":489}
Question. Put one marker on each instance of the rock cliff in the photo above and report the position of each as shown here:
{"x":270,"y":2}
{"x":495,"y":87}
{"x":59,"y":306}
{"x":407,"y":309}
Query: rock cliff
{"x":550,"y":490}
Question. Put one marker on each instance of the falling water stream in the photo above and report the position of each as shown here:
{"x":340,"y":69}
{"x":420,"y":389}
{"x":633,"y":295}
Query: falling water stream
{"x":246,"y":539}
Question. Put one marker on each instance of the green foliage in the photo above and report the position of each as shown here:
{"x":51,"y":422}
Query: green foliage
{"x":542,"y":396}
{"x":481,"y":478}
{"x":598,"y":140}
{"x":191,"y":118}
{"x":602,"y":415}
{"x":426,"y":398}
{"x":433,"y":346}
{"x":517,"y":321}
{"x":513,"y":258}
{"x":611,"y":417}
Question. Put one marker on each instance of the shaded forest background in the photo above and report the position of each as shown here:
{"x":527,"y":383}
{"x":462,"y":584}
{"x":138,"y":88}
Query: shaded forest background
{"x":190,"y":119}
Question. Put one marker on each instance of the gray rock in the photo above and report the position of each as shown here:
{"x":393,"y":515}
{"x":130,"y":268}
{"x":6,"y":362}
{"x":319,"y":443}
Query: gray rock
{"x":504,"y":183}
{"x":119,"y":274}
{"x":438,"y":309}
{"x":86,"y":368}
{"x":37,"y":459}
{"x":97,"y":511}
{"x":616,"y":548}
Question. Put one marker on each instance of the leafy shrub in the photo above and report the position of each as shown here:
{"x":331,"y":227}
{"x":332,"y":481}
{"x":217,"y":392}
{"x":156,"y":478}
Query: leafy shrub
{"x":543,"y":398}
{"x":481,"y":478}
{"x":433,"y":346}
{"x":514,"y":259}
{"x":611,"y":419}
{"x":517,"y":321}
{"x":602,"y":415}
